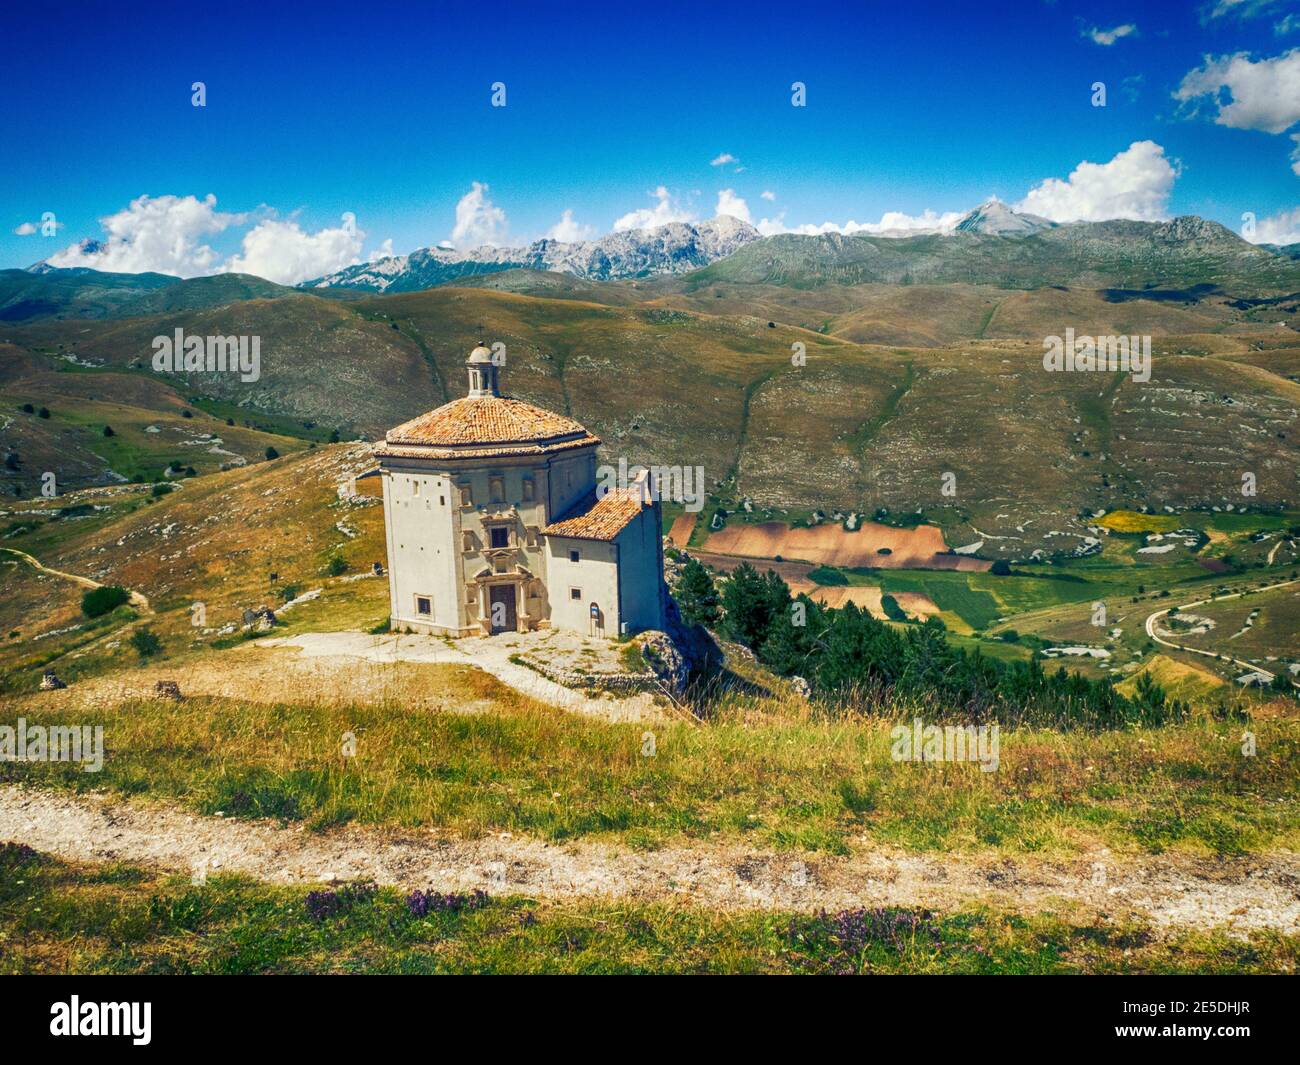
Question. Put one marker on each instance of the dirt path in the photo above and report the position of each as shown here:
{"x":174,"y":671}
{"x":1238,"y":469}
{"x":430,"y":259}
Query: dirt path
{"x":1170,"y":892}
{"x":138,"y":599}
{"x":1153,"y":618}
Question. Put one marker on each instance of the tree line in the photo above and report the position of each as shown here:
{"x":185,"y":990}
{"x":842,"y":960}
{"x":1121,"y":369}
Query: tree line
{"x":854,"y":662}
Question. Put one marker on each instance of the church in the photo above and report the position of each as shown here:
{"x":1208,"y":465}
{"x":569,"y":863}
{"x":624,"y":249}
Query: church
{"x":494,"y":523}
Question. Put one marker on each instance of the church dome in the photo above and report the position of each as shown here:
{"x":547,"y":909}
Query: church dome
{"x":485,"y":424}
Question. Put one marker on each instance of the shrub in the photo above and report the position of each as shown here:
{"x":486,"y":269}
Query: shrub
{"x":108,"y":431}
{"x":891,"y":608}
{"x":1001,"y":568}
{"x":827,"y":575}
{"x":336,"y":564}
{"x":271,"y":453}
{"x":44,"y":412}
{"x":99,"y":601}
{"x":160,"y":490}
{"x":146,"y":642}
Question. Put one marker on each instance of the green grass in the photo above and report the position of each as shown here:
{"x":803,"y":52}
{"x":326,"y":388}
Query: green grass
{"x":771,"y":782}
{"x":116,"y":919}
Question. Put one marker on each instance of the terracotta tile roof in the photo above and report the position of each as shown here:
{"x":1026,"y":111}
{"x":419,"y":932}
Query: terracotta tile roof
{"x":484,"y":420}
{"x":484,"y":427}
{"x":599,"y":519}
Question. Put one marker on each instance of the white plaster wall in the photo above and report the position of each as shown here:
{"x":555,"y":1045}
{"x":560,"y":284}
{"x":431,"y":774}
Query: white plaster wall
{"x":596,"y":574}
{"x":641,"y":572}
{"x":419,"y":518}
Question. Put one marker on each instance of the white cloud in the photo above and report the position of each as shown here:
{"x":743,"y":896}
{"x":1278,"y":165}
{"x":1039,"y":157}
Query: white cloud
{"x":1295,"y":154}
{"x":891,"y":222}
{"x":724,"y":159}
{"x":1281,"y":228}
{"x":1108,"y":37}
{"x":384,"y":251}
{"x":568,"y":230}
{"x":768,"y":194}
{"x":731,"y":204}
{"x":1135,"y":185}
{"x":25,"y":229}
{"x":161,"y":233}
{"x":665,"y":210}
{"x":281,"y":251}
{"x":478,"y":220}
{"x":1265,"y":94}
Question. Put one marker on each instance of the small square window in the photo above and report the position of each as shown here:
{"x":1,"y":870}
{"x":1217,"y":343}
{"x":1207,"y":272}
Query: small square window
{"x":574,"y":556}
{"x":575,"y":593}
{"x":500,"y":536}
{"x":423,"y":604}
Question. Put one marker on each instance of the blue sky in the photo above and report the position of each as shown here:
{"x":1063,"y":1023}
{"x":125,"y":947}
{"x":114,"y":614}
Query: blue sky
{"x":319,"y":110}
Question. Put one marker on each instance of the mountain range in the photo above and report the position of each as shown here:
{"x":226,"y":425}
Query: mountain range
{"x":675,"y":248}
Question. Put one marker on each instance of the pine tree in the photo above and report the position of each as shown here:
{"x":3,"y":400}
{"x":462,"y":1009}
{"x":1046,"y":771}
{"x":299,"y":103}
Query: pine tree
{"x":696,"y":595}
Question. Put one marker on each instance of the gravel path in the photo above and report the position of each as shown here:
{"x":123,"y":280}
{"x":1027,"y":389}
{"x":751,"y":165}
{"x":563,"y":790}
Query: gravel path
{"x":1170,"y":892}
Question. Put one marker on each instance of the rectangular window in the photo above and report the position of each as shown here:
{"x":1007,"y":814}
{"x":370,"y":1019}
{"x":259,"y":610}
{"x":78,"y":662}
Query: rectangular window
{"x":575,"y":593}
{"x":528,"y":489}
{"x":497,"y":489}
{"x":467,"y":541}
{"x":471,"y":594}
{"x":415,"y":488}
{"x":423,"y":604}
{"x":500,"y":536}
{"x":466,"y":496}
{"x":574,"y":556}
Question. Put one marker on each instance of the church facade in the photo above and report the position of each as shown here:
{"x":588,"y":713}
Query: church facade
{"x":494,"y":523}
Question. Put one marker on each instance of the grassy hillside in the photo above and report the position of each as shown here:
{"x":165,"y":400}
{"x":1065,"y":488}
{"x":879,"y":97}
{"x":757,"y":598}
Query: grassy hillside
{"x":679,"y":378}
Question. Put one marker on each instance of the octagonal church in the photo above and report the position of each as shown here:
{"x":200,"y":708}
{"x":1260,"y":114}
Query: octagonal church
{"x":494,"y":523}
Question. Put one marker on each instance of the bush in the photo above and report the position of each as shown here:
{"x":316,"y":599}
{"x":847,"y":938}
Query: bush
{"x":271,"y":453}
{"x":160,"y":490}
{"x":108,"y":431}
{"x":44,"y":412}
{"x":891,"y":608}
{"x":146,"y":642}
{"x":827,"y":576}
{"x":1001,"y":568}
{"x":100,"y":601}
{"x":1010,"y":636}
{"x":336,"y":565}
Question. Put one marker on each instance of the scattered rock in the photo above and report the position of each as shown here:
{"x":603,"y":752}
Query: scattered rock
{"x":801,"y":687}
{"x":168,"y":689}
{"x":50,"y":682}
